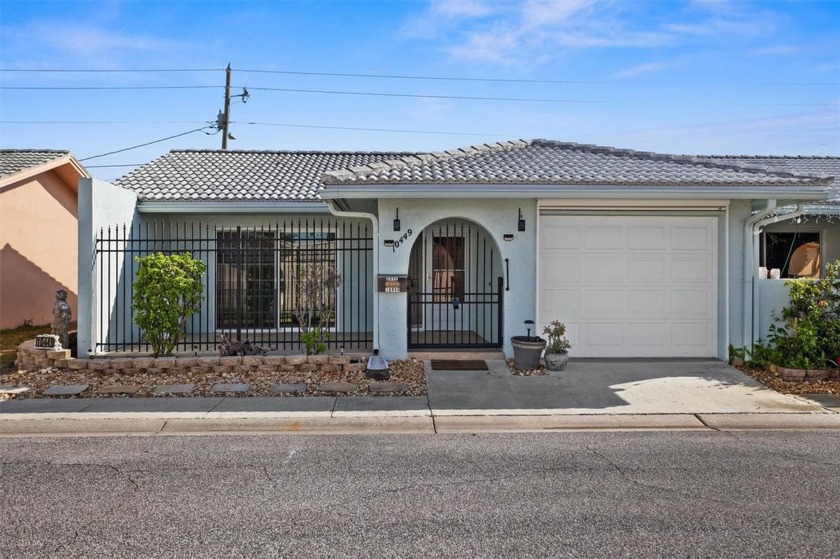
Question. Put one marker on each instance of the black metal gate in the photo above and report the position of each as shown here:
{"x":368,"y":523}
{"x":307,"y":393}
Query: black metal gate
{"x":455,"y":295}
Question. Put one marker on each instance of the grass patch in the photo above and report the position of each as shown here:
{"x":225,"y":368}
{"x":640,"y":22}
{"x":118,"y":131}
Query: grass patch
{"x":11,"y":338}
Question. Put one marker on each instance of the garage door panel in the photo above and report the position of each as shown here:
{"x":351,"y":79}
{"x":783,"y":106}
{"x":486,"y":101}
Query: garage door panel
{"x":649,"y":334}
{"x":645,"y":269}
{"x":559,"y":302}
{"x":691,"y":270}
{"x":647,"y":303}
{"x":604,"y":269}
{"x":631,"y":286}
{"x":604,"y":334}
{"x":558,"y":268}
{"x":691,"y":238}
{"x":604,"y":237}
{"x":648,"y":238}
{"x":600,"y":302}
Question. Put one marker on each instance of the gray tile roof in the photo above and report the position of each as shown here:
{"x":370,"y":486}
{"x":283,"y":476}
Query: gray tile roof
{"x":16,"y":160}
{"x":821,"y":166}
{"x":537,"y":162}
{"x":217,"y":175}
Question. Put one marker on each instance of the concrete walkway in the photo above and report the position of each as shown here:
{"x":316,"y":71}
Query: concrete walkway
{"x":587,"y":395}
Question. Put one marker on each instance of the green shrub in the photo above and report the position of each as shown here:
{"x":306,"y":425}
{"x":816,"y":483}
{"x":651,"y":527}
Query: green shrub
{"x":810,"y":334}
{"x":167,"y":291}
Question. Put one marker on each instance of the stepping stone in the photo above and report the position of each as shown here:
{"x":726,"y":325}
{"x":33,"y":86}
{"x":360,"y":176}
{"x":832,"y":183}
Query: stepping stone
{"x":230,"y":388}
{"x":291,"y":388}
{"x":119,"y":389}
{"x":337,"y":387}
{"x":13,"y":389}
{"x":387,"y":387}
{"x":174,"y":389}
{"x":65,"y":389}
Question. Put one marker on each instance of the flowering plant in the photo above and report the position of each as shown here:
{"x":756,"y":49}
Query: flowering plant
{"x":557,"y":343}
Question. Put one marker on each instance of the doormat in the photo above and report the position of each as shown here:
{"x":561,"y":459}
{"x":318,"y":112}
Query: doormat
{"x":458,"y":365}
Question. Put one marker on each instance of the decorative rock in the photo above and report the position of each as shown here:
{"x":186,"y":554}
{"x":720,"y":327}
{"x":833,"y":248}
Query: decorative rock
{"x":337,"y":387}
{"x":387,"y":387}
{"x":296,"y":360}
{"x":252,"y":360}
{"x":275,"y":360}
{"x":202,"y":370}
{"x":308,"y":368}
{"x":230,"y":388}
{"x":288,"y":388}
{"x":354,"y":367}
{"x":65,"y":389}
{"x":119,"y":389}
{"x":230,"y":360}
{"x":208,"y":361}
{"x":791,"y":374}
{"x":222,"y":370}
{"x":99,"y":364}
{"x":155,"y":371}
{"x":184,"y":362}
{"x":174,"y":389}
{"x":60,"y":363}
{"x":267,"y":368}
{"x":13,"y":390}
{"x":816,"y":374}
{"x":318,"y":359}
{"x":339,"y":360}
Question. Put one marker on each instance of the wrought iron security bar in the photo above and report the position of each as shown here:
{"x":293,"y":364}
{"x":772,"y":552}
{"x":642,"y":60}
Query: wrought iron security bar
{"x":250,"y":286}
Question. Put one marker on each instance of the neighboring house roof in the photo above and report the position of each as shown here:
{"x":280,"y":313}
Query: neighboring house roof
{"x":822,"y":166}
{"x":545,"y":162}
{"x":223,"y":175}
{"x":18,"y":164}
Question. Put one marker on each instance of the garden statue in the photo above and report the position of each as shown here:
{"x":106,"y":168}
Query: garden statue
{"x":61,"y":318}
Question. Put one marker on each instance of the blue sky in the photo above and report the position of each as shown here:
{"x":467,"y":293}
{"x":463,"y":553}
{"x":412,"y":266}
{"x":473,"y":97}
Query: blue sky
{"x":694,"y":76}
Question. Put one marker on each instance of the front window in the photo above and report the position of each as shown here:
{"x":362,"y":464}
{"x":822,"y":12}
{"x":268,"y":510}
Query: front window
{"x":257,"y":275}
{"x":448,"y":268}
{"x":795,"y":255}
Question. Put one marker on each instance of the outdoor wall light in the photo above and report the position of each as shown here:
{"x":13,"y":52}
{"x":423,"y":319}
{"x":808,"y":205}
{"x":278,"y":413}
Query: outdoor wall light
{"x":397,"y":221}
{"x":521,"y":226}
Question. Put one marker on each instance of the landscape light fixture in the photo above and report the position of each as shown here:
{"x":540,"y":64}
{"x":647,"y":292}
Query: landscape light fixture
{"x":397,"y":221}
{"x":521,"y":225}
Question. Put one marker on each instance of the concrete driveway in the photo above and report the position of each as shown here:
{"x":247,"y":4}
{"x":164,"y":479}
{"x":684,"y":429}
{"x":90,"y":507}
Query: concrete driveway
{"x":609,"y":387}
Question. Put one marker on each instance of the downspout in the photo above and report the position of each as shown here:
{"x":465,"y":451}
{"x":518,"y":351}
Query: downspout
{"x":750,"y":257}
{"x":375,"y":223}
{"x":800,"y":209}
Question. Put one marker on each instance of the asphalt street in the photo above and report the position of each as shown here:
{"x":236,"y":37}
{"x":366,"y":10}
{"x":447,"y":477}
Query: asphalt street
{"x":563,"y":494}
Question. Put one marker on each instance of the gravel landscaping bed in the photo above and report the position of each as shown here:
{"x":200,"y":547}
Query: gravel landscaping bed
{"x":407,"y":373}
{"x":775,"y":381}
{"x":539,"y":371}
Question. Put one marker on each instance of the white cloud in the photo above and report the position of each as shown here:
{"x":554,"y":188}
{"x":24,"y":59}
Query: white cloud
{"x":641,"y":69}
{"x":776,"y":50}
{"x":84,"y":40}
{"x":539,"y":13}
{"x":461,"y":8}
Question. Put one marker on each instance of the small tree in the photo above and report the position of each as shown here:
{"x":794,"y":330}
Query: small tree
{"x":316,"y":287}
{"x":167,"y":291}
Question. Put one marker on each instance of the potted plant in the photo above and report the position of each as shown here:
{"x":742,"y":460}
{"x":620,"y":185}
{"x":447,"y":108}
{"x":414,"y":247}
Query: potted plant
{"x":557,"y":349}
{"x":526,"y":349}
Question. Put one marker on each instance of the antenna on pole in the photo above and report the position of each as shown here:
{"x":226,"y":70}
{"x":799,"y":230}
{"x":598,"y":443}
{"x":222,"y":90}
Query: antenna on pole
{"x":223,"y":118}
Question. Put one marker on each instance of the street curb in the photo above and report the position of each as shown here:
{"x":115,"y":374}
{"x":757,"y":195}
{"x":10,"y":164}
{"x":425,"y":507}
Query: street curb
{"x":303,"y":425}
{"x":522,"y":423}
{"x":770,"y":421}
{"x":80,"y":426}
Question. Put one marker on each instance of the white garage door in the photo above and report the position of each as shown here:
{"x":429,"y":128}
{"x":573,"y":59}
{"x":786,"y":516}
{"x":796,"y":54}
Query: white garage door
{"x":631,"y":286}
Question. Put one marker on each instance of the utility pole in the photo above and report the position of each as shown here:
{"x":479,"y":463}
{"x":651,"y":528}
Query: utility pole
{"x":226,"y":116}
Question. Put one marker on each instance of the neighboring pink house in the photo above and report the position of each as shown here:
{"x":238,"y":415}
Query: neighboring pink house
{"x":38,"y":233}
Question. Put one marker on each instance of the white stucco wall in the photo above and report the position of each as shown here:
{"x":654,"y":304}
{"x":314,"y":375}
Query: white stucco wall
{"x":101,"y":204}
{"x":773,"y":296}
{"x":497,"y":217}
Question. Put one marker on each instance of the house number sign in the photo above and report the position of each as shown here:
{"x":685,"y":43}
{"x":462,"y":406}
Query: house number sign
{"x":392,"y":284}
{"x":401,"y":240}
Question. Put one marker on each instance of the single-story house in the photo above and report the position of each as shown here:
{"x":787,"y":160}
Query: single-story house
{"x":38,"y":233}
{"x":639,"y":254}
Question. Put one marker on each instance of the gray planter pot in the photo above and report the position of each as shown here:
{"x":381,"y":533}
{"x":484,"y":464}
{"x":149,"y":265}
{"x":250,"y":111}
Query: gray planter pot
{"x":556,"y":361}
{"x":527,"y":352}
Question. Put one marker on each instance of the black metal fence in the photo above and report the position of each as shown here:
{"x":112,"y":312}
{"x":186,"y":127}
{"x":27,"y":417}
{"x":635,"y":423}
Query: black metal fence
{"x":251,"y":285}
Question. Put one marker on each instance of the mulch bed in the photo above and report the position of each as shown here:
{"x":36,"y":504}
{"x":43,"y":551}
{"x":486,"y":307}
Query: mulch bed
{"x":777,"y":383}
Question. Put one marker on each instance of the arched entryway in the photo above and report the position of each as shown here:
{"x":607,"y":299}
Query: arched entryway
{"x":455,"y":294}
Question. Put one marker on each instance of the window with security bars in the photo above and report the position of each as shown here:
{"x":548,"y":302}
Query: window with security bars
{"x":257,"y":276}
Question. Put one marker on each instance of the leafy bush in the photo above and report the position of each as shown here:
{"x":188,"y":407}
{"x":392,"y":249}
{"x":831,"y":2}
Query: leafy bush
{"x":810,"y":334}
{"x":557,"y":343}
{"x":316,"y":287}
{"x":167,"y":291}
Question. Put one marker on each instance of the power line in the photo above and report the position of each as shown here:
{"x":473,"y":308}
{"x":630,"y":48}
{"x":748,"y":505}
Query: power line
{"x":106,"y":71}
{"x":532,"y":100}
{"x":106,"y":88}
{"x":101,"y":121}
{"x":148,"y":143}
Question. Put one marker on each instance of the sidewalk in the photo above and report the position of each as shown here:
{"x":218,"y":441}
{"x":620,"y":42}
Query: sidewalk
{"x":607,"y":395}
